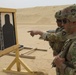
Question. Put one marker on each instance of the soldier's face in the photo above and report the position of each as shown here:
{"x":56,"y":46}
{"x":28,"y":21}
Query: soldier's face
{"x":67,"y":25}
{"x":59,"y":22}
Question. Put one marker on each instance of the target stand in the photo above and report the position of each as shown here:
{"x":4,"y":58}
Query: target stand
{"x":19,"y":63}
{"x":9,"y":41}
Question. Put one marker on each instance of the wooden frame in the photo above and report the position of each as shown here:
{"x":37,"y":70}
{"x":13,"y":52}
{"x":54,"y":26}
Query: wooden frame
{"x":6,"y":13}
{"x":5,"y":47}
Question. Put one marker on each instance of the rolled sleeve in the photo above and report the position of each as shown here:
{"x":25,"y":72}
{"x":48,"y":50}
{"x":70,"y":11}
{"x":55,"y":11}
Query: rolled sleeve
{"x":43,"y":36}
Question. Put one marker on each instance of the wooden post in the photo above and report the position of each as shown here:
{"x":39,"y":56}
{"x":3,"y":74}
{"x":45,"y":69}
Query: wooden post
{"x":18,"y":63}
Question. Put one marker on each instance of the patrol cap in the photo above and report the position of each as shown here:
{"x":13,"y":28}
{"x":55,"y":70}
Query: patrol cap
{"x":58,"y":14}
{"x":70,"y":13}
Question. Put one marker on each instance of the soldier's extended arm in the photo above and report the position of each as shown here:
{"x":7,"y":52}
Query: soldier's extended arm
{"x":35,"y":32}
{"x":49,"y":36}
{"x":53,"y":37}
{"x":51,"y":31}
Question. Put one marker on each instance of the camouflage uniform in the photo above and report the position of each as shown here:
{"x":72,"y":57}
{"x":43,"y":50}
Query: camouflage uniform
{"x":57,"y":39}
{"x":69,"y":53}
{"x":69,"y":49}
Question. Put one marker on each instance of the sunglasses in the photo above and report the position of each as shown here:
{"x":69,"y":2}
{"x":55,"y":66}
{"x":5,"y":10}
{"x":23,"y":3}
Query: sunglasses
{"x":58,"y":20}
{"x":65,"y":21}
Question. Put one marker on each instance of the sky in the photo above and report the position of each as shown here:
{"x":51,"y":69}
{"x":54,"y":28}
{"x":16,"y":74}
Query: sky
{"x":33,"y":3}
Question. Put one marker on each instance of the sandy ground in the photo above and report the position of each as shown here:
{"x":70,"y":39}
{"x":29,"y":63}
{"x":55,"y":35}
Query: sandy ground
{"x":43,"y":59}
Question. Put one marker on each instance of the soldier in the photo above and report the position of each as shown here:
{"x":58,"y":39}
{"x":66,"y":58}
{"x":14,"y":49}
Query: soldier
{"x":57,"y":46}
{"x":58,"y":16}
{"x":57,"y":39}
{"x":65,"y":61}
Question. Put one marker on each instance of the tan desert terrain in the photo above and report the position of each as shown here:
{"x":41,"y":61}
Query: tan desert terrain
{"x":37,"y":18}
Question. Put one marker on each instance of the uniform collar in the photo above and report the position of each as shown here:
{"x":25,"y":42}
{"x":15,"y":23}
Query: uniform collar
{"x":71,"y":36}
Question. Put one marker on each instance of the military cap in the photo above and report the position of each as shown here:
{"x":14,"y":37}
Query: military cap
{"x":70,"y":13}
{"x":58,"y":15}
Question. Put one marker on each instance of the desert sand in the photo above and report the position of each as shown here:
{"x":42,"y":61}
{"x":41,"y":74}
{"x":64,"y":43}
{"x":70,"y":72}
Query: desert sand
{"x":38,"y":18}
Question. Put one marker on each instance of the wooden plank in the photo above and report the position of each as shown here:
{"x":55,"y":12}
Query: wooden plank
{"x":7,"y":10}
{"x":25,"y":73}
{"x":35,"y":49}
{"x":7,"y":50}
{"x":29,"y":48}
{"x":22,"y":56}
